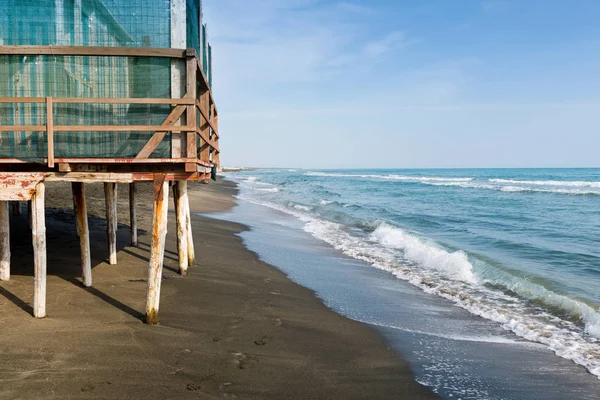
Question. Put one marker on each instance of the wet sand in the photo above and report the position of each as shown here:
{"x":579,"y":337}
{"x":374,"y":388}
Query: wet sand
{"x":234,"y":328}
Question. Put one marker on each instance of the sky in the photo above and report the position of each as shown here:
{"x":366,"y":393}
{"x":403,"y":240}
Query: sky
{"x":406,"y":83}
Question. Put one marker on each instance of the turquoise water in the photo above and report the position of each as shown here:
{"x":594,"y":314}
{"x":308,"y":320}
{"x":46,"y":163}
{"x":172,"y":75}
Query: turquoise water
{"x":517,"y":247}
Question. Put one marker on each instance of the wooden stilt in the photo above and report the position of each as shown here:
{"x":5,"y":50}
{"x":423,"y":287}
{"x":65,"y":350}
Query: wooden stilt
{"x":190,"y":237}
{"x":38,"y":230}
{"x":110,"y":197}
{"x":133,"y":213}
{"x":84,"y":234}
{"x":4,"y":242}
{"x":74,"y":191}
{"x":180,"y":198}
{"x":157,"y":251}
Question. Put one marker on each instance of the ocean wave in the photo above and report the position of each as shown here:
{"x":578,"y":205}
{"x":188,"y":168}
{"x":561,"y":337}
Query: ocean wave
{"x":587,"y":184}
{"x":451,"y":275}
{"x":454,"y":265}
{"x":405,"y":178}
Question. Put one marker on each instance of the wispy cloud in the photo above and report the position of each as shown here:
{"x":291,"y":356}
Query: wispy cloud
{"x":278,"y":42}
{"x":495,"y":5}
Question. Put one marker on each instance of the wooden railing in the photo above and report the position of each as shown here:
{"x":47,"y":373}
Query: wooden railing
{"x":198,"y":96}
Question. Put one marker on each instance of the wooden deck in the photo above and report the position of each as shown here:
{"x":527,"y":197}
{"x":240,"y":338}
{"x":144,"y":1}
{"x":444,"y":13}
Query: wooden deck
{"x":194,"y":144}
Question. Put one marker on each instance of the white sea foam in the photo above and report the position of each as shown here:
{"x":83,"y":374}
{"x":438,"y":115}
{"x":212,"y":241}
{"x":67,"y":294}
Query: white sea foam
{"x":454,"y":265}
{"x":325,"y":202}
{"x":301,"y":207}
{"x":452,"y":276}
{"x":270,"y":190}
{"x":405,"y":178}
{"x":504,"y":185}
{"x":586,"y":184}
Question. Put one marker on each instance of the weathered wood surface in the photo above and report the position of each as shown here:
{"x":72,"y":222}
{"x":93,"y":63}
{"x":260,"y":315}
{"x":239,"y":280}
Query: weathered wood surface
{"x":18,"y":186}
{"x":155,"y":140}
{"x":180,"y":198}
{"x":93,"y":51}
{"x":4,"y":241}
{"x":157,"y":250}
{"x":110,"y":200}
{"x":133,"y":213}
{"x":38,"y":232}
{"x":50,"y":130}
{"x":84,"y":233}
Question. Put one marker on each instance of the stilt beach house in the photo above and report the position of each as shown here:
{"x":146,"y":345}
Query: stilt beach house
{"x":104,"y":91}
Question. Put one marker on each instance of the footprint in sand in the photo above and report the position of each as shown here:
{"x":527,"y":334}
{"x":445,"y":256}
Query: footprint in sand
{"x":243,"y":361}
{"x":262,"y":341}
{"x":276,"y":321}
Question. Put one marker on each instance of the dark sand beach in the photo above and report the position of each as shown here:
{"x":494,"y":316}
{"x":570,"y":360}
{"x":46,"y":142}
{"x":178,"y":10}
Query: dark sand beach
{"x":234,"y":328}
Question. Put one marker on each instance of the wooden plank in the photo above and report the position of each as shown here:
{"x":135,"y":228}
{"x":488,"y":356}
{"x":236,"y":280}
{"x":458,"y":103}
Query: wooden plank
{"x":157,"y":250}
{"x":50,"y":131}
{"x":4,"y":241}
{"x":154,"y":141}
{"x":88,"y":100}
{"x":97,"y":128}
{"x":207,"y":141}
{"x":18,"y":186}
{"x":38,"y":232}
{"x":204,"y":114}
{"x":178,"y":68}
{"x":125,"y":161}
{"x":23,"y":128}
{"x":93,"y":51}
{"x":180,"y":197}
{"x":19,"y":100}
{"x":120,"y":128}
{"x":110,"y":200}
{"x":133,"y":213}
{"x":191,"y":151}
{"x":84,"y":233}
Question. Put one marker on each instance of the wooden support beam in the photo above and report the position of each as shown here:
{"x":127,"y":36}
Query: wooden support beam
{"x":157,"y":251}
{"x":191,"y":110}
{"x":190,"y":237}
{"x":93,"y":51}
{"x":4,"y":241}
{"x":50,"y":131}
{"x":38,"y":232}
{"x":180,"y":197}
{"x":84,"y":233}
{"x":159,"y":136}
{"x":133,"y":213}
{"x":110,"y":197}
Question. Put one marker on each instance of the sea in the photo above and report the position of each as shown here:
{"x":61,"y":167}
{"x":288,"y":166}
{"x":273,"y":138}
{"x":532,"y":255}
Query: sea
{"x":487,"y":281}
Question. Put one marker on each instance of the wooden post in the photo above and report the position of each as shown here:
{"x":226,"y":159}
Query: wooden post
{"x":191,"y":82}
{"x":4,"y":242}
{"x":110,"y":197}
{"x":157,"y":251}
{"x":74,"y":192}
{"x":190,"y":237}
{"x":84,"y":234}
{"x":180,"y":199}
{"x":50,"y":131}
{"x":38,"y":232}
{"x":133,"y":213}
{"x":204,"y":125}
{"x":178,"y":67}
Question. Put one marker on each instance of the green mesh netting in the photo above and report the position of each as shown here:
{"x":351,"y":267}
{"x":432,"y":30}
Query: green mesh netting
{"x":132,"y":23}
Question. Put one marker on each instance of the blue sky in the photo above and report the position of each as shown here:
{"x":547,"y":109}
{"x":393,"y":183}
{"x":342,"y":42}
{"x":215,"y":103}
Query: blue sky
{"x":407,"y":83}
